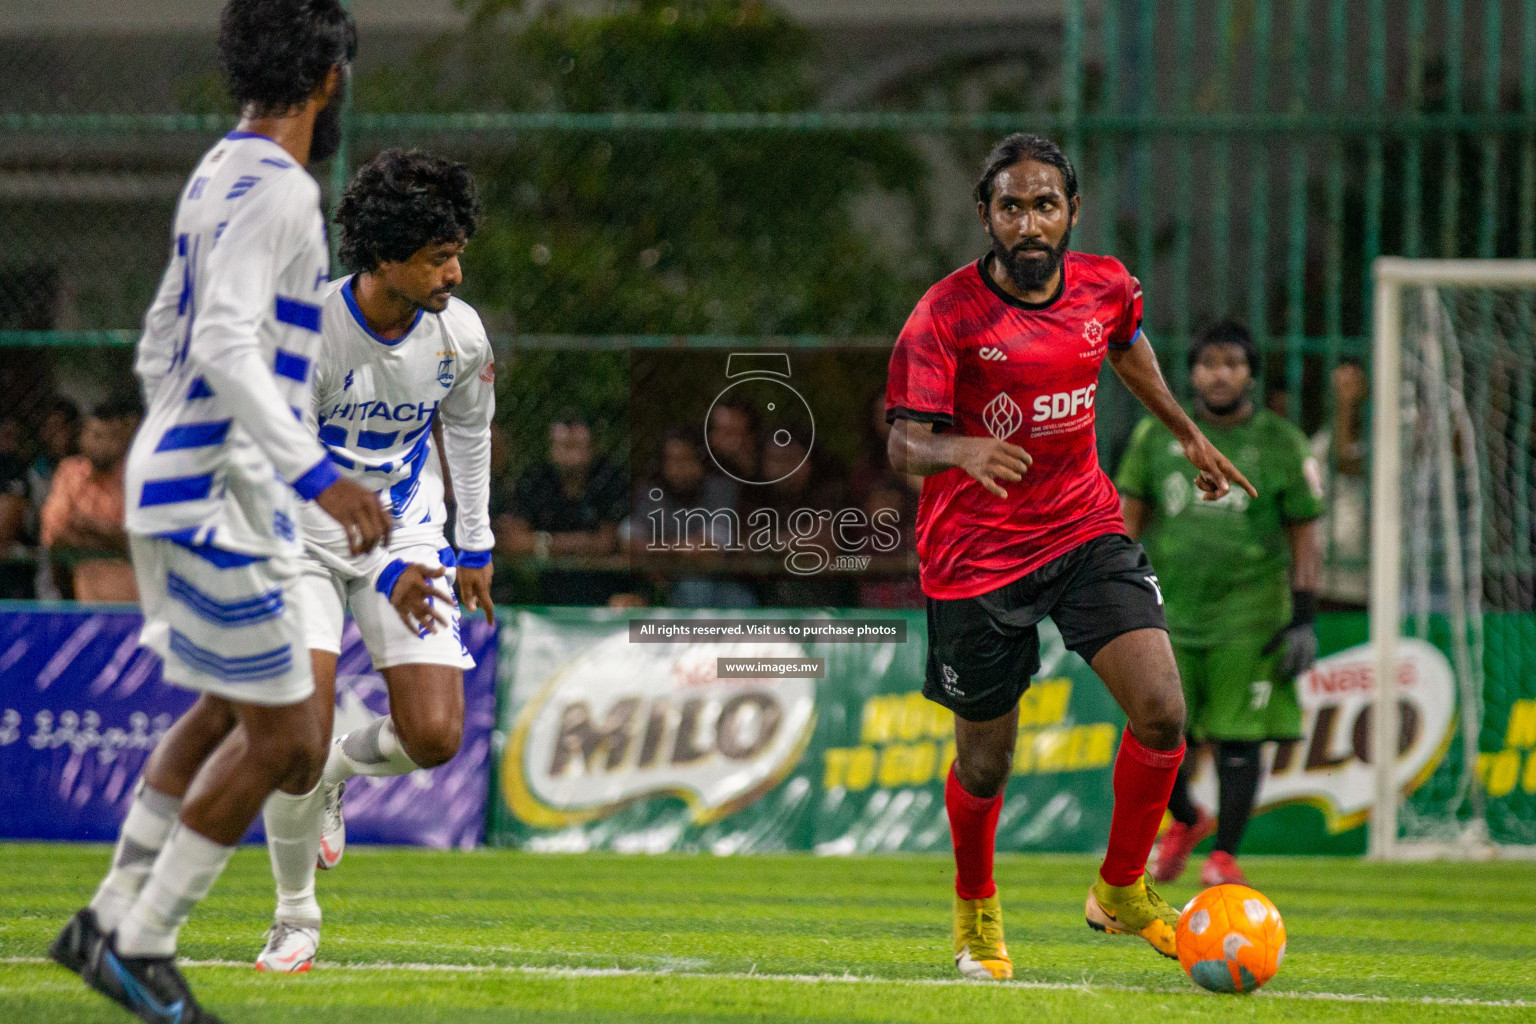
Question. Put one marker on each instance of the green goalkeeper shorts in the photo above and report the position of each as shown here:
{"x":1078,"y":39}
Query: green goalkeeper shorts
{"x":1232,"y":693}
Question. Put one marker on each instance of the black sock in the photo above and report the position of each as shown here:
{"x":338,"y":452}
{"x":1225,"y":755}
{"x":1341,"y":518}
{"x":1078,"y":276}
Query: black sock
{"x":1238,"y":767}
{"x":1179,"y":804}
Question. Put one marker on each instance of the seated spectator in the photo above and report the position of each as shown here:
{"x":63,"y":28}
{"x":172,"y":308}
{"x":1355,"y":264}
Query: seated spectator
{"x":677,"y":483}
{"x":571,"y":505}
{"x":1339,"y":449}
{"x":899,"y":589}
{"x":813,"y":484}
{"x":58,"y":432}
{"x":83,"y":516}
{"x":16,"y":562}
{"x":873,"y":470}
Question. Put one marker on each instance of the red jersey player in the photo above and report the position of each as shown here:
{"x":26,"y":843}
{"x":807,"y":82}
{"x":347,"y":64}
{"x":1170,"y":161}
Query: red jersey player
{"x":990,"y":397}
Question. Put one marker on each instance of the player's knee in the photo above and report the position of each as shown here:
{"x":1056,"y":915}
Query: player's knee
{"x":294,"y":756}
{"x":1160,"y":724}
{"x":984,"y":773}
{"x":434,"y":741}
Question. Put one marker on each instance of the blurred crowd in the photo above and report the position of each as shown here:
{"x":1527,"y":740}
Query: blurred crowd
{"x":61,"y":503}
{"x":575,"y":527}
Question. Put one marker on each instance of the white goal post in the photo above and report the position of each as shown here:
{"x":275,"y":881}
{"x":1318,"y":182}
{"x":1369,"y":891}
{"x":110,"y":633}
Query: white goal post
{"x":1442,"y":329}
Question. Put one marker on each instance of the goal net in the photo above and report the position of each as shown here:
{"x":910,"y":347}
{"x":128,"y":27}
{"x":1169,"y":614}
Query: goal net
{"x":1453,"y":558}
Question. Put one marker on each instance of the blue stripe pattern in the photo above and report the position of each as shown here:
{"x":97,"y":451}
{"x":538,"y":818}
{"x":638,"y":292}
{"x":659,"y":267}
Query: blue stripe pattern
{"x":333,"y":435}
{"x":275,"y":162}
{"x":376,"y":440}
{"x":288,"y":364}
{"x":199,"y":389}
{"x":193,"y":435}
{"x":341,"y":460}
{"x":299,"y":314}
{"x":266,"y":665}
{"x":243,"y":185}
{"x":217,"y":557}
{"x":173,"y":489}
{"x":224,"y":613}
{"x":414,"y":434}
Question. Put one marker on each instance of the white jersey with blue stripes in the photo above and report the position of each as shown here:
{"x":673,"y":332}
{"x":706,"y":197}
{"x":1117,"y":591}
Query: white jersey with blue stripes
{"x":376,"y":402}
{"x":227,"y":356}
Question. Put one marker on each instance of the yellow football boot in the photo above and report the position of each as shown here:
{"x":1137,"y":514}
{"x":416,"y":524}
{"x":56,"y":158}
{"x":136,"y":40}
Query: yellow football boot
{"x":979,"y":950}
{"x":1134,"y":909}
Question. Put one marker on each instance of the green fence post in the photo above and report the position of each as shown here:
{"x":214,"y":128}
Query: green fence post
{"x":1258,"y":209}
{"x":339,"y":164}
{"x":1413,"y":163}
{"x":1296,"y":263}
{"x":1333,"y":270}
{"x":1106,"y":143}
{"x":1146,"y":198}
{"x":1183,"y":173}
{"x":1221,"y":159}
{"x":1450,"y":190}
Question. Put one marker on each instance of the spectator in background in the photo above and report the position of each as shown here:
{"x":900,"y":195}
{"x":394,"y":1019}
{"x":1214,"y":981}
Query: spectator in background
{"x":680,"y":481}
{"x":571,"y":505}
{"x":902,"y":589}
{"x":57,"y":433}
{"x":809,"y":483}
{"x":1339,"y":449}
{"x":873,"y":471}
{"x":84,"y":510}
{"x":16,"y":564}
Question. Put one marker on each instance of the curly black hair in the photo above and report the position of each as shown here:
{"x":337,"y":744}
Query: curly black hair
{"x":275,"y":53}
{"x":401,"y":202}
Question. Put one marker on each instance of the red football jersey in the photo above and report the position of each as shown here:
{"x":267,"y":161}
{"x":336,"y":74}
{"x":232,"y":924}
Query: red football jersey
{"x":976,"y":360}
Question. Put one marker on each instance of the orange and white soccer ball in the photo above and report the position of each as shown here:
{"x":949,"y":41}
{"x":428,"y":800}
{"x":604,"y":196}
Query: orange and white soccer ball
{"x":1231,"y":939}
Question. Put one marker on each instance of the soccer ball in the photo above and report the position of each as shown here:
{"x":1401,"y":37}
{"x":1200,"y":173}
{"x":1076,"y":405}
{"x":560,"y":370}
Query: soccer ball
{"x":1231,"y":939}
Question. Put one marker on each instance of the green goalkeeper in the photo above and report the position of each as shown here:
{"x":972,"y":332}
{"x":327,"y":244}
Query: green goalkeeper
{"x":1240,"y":578}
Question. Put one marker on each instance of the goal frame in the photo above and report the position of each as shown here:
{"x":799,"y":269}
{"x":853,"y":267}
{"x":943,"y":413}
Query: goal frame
{"x":1393,"y":275}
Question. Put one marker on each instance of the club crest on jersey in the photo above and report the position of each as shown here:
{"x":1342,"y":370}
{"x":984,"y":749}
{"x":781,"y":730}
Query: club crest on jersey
{"x":1093,"y":331}
{"x":1002,"y":416}
{"x":445,"y":371}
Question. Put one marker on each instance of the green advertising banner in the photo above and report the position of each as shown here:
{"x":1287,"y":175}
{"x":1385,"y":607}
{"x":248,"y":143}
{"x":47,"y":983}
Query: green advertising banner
{"x":608,"y":744}
{"x":712,"y":731}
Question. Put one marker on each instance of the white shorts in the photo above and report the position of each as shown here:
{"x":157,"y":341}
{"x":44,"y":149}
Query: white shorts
{"x":224,"y":623}
{"x":332,"y":585}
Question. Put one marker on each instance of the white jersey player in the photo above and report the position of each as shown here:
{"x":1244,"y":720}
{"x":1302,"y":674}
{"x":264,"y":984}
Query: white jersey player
{"x":212,"y":487}
{"x":402,"y":364}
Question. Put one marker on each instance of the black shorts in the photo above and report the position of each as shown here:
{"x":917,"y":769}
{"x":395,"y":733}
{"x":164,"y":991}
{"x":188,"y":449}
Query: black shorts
{"x":983,"y":650}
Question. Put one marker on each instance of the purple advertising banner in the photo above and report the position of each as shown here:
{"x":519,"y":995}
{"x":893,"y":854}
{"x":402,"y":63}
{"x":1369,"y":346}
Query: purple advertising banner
{"x":82,"y":705}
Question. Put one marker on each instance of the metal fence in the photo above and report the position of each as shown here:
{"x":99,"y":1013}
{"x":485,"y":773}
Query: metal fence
{"x":1243,"y":157}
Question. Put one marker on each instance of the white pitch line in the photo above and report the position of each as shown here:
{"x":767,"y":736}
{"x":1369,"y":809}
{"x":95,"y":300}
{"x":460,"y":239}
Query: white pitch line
{"x":829,"y":979}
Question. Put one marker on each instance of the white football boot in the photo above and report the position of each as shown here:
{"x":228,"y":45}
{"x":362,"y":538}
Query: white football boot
{"x":291,"y":947}
{"x":333,"y":826}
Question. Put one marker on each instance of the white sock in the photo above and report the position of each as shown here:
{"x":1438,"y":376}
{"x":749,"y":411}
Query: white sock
{"x":186,"y":869}
{"x":373,"y":750}
{"x":144,"y":832}
{"x":293,"y":841}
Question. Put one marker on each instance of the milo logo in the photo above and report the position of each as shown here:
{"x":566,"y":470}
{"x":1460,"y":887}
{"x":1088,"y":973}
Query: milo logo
{"x":624,"y":722}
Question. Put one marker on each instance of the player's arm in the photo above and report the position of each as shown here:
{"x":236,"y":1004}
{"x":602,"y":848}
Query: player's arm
{"x":914,"y":448}
{"x":466,"y":415}
{"x":1299,"y":636}
{"x":240,"y":291}
{"x":1137,"y":366}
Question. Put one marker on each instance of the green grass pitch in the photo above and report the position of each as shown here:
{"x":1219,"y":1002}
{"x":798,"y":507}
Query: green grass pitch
{"x":502,"y":936}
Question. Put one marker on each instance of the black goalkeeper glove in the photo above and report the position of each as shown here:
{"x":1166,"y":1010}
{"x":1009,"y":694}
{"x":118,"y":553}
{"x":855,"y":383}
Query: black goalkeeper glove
{"x":1298,"y":637}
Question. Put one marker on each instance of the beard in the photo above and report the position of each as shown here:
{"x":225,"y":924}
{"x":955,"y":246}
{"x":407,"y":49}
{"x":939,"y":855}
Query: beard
{"x":1030,"y":274}
{"x":326,"y":139}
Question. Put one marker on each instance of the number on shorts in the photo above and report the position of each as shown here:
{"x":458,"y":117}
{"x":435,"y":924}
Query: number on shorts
{"x":1260,"y":688}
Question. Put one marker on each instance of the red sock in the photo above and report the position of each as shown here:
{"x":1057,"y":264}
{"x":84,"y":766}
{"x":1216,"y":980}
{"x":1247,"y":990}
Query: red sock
{"x":1143,"y":782}
{"x":973,"y":827}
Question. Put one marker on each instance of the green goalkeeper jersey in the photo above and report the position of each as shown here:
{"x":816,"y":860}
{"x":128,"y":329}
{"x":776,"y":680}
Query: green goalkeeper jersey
{"x":1224,"y":565}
